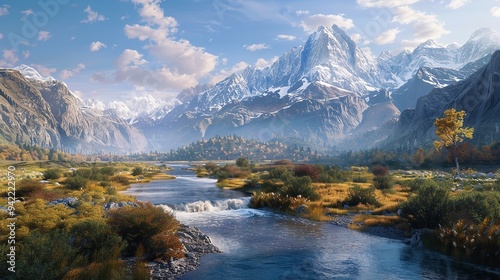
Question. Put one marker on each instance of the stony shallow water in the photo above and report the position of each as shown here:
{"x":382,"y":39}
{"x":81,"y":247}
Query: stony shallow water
{"x":259,"y":244}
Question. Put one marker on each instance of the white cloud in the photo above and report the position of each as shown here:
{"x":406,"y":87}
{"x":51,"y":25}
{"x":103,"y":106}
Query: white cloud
{"x":27,"y":12}
{"x":385,"y":3}
{"x":66,"y":74}
{"x":495,"y":11}
{"x":26,"y":54}
{"x":96,"y":46}
{"x":43,"y":35}
{"x":1,"y":36}
{"x":178,"y":64}
{"x":455,"y":4}
{"x":9,"y":58}
{"x":92,"y":16}
{"x":261,"y":63}
{"x":44,"y":71}
{"x":130,"y":58}
{"x":312,"y":22}
{"x":386,"y":37}
{"x":184,"y":58}
{"x":425,"y":26}
{"x":152,"y":13}
{"x":4,"y":10}
{"x":144,"y":32}
{"x":286,"y":37}
{"x":256,"y":47}
{"x":356,"y":37}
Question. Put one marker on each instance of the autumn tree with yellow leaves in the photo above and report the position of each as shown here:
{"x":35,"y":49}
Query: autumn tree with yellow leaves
{"x":451,"y":132}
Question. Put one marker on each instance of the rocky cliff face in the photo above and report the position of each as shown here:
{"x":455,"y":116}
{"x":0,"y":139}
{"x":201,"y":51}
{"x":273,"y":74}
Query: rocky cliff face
{"x":25,"y":115}
{"x":44,"y":112}
{"x":478,"y":96}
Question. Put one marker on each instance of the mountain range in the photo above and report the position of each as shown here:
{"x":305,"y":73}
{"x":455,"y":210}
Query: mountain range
{"x":327,"y":92}
{"x":44,"y":112}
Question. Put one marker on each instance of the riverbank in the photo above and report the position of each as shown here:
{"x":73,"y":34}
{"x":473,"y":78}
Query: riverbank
{"x":347,"y":221}
{"x":196,"y":244}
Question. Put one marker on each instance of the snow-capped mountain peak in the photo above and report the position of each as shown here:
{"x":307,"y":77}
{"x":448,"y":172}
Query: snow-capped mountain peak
{"x":31,"y":74}
{"x":481,"y":43}
{"x":95,"y":104}
{"x":430,"y":44}
{"x":485,"y":34}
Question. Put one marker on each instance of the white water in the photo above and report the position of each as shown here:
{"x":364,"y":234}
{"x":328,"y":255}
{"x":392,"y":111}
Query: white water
{"x":209,"y":206}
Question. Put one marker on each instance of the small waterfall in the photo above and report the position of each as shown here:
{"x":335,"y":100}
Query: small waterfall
{"x":209,"y":206}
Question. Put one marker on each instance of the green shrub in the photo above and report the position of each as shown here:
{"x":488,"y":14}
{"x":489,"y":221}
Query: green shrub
{"x":46,"y":256}
{"x":96,"y":242}
{"x":383,"y":178}
{"x":279,"y":174}
{"x":137,"y":171}
{"x":105,"y":184}
{"x":299,"y":186}
{"x":476,"y":206}
{"x":416,"y":184}
{"x":242,"y":162}
{"x":359,"y":179}
{"x":76,"y":183}
{"x":108,"y":171}
{"x":138,"y":225}
{"x":382,"y":182}
{"x":428,"y":208}
{"x":27,"y":187}
{"x":358,"y":195}
{"x":52,"y":174}
{"x":120,"y":179}
{"x":222,"y":175}
{"x":110,"y":190}
{"x":252,"y":182}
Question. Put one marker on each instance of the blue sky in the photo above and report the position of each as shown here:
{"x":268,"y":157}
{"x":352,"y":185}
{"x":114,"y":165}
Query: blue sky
{"x":117,"y":49}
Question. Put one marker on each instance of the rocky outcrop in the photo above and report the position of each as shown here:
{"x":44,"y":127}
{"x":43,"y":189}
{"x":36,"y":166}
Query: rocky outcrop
{"x":44,"y":112}
{"x":25,"y":116}
{"x":478,"y":96}
{"x":196,"y":245}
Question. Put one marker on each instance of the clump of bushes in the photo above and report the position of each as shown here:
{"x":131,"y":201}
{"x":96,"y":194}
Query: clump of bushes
{"x":136,"y":171}
{"x":28,"y":187}
{"x":52,"y":174}
{"x":149,"y":226}
{"x":358,"y":195}
{"x":276,"y":201}
{"x":382,"y":179}
{"x":120,"y":179}
{"x":472,"y":242}
{"x":428,"y":208}
{"x":76,"y":182}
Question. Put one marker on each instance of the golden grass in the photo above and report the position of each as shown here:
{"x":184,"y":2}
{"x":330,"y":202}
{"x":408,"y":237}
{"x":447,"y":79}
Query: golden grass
{"x":356,"y":227}
{"x":232,"y":183}
{"x":317,"y":212}
{"x":336,"y":211}
{"x":376,"y":220}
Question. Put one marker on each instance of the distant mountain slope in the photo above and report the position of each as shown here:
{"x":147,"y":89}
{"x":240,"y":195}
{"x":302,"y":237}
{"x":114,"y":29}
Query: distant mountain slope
{"x":478,"y":96}
{"x":424,"y":80}
{"x":25,"y":115}
{"x":42,"y":111}
{"x":318,"y":92}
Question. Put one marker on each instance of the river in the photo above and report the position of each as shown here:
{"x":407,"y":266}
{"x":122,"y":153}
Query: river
{"x":259,"y":244}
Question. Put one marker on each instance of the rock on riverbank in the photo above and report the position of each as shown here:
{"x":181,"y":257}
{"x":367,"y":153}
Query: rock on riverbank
{"x":196,"y":243}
